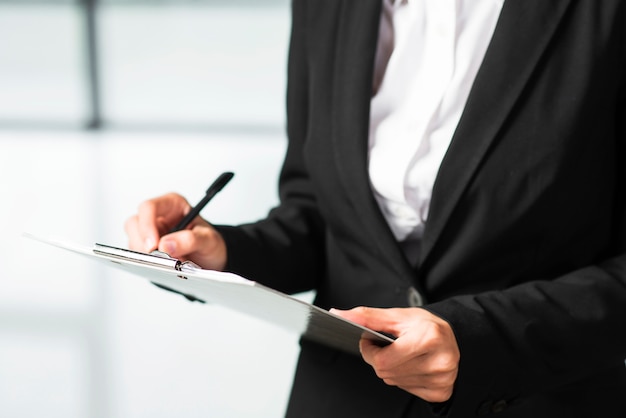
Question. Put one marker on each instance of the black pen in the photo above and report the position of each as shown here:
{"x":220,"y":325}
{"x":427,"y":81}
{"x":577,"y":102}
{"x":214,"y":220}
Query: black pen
{"x":213,"y":189}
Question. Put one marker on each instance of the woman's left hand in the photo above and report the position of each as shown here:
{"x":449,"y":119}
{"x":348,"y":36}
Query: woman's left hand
{"x":423,"y":360}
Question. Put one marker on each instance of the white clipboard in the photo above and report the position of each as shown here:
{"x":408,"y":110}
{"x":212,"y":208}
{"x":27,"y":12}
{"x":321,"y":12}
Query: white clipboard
{"x":232,"y":291}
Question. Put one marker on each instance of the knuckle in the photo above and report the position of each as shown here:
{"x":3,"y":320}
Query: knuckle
{"x":433,"y":332}
{"x":204,"y":236}
{"x":362,"y":310}
{"x":145,"y":207}
{"x":446,"y":363}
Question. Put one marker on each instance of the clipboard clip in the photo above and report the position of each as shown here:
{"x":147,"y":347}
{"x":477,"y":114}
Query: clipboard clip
{"x":155,"y":258}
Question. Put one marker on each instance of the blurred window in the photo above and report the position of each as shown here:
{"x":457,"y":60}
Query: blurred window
{"x":42,"y":78}
{"x":215,"y":64}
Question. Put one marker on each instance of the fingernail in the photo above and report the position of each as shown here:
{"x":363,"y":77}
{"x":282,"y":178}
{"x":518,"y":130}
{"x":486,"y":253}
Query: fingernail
{"x":168,"y":246}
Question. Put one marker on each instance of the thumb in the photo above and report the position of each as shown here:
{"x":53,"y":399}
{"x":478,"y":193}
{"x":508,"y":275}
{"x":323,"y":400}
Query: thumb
{"x":377,"y":319}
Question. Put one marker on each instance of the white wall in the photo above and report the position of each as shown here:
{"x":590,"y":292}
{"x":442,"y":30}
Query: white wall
{"x":80,"y":340}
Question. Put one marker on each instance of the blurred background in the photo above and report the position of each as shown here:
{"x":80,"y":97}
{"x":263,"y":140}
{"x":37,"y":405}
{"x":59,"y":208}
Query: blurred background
{"x":103,"y":104}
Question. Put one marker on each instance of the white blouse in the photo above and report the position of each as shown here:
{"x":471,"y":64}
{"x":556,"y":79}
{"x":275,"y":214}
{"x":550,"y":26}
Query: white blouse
{"x":428,"y":55}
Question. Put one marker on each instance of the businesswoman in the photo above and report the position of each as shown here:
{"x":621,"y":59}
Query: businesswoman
{"x":455,"y":176}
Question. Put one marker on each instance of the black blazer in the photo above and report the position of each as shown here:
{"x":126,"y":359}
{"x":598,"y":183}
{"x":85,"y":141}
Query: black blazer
{"x":524,"y":248}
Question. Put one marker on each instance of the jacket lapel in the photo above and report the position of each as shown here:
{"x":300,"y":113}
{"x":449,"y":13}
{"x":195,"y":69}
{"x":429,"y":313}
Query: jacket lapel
{"x":352,"y":77}
{"x":521,"y":36}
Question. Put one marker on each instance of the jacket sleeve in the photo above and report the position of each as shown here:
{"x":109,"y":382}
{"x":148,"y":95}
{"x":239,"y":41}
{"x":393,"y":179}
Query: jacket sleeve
{"x":285,"y":250}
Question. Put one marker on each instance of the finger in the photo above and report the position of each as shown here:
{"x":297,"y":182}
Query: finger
{"x":156,"y":216}
{"x":147,"y":229}
{"x":399,"y":358}
{"x":180,"y":244}
{"x":416,"y":376}
{"x":135,"y":241}
{"x":192,"y":240}
{"x":407,"y":363}
{"x":383,"y":320}
{"x":202,"y":244}
{"x":423,"y":370}
{"x":369,"y":351}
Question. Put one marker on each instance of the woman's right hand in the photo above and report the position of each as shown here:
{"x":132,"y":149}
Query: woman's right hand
{"x":199,"y":242}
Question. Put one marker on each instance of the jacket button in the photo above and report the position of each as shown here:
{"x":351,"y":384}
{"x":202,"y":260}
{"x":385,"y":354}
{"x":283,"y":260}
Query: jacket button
{"x":414,"y":298}
{"x":488,"y":407}
{"x":499,"y":406}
